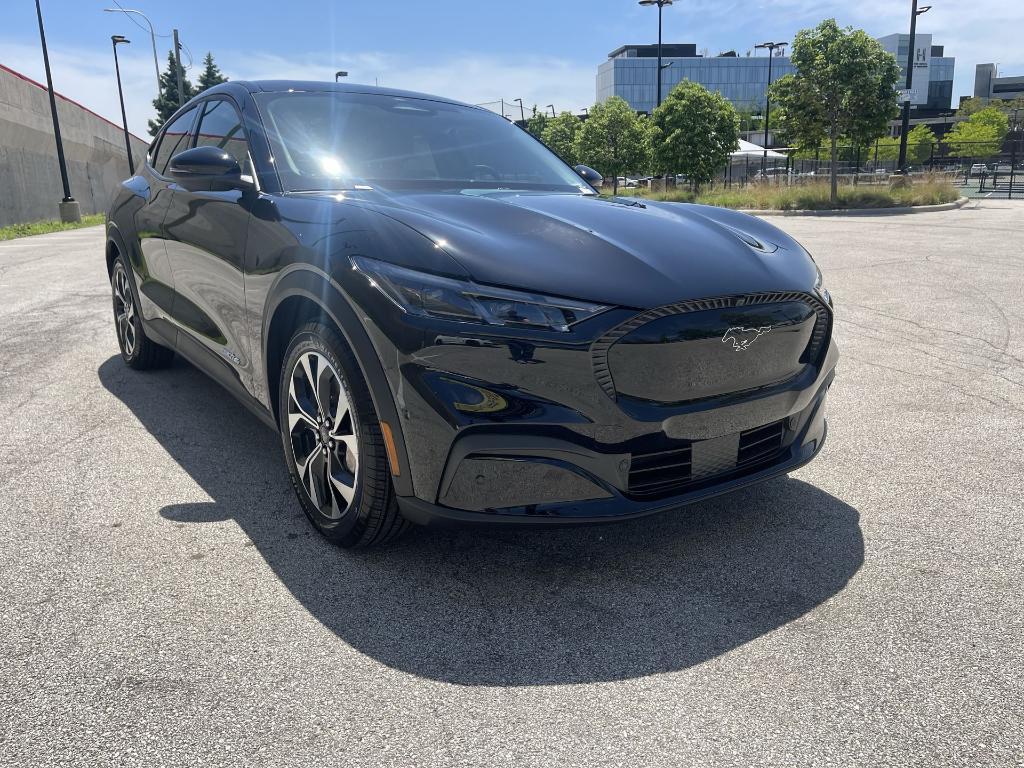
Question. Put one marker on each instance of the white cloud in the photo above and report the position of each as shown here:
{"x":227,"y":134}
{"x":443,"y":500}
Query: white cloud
{"x":982,"y":33}
{"x":87,"y":76}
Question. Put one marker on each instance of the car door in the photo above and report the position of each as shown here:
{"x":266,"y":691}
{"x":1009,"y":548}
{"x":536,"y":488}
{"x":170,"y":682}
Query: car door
{"x":153,"y":274}
{"x":207,"y":233}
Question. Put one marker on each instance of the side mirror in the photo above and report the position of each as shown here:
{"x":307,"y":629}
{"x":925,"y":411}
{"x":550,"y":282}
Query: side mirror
{"x":206,"y":169}
{"x":589,"y":175}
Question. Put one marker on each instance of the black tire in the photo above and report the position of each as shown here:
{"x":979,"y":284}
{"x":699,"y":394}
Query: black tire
{"x":370,"y":517}
{"x":137,"y":350}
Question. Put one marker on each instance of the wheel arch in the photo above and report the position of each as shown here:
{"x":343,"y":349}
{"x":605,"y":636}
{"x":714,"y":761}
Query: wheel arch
{"x":304,"y":295}
{"x":114,"y":247}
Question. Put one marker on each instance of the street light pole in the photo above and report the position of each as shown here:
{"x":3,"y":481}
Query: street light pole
{"x":552,"y":107}
{"x":661,"y":4}
{"x":69,"y":208}
{"x":177,"y":69}
{"x":905,"y":122}
{"x":522,"y":112}
{"x":152,"y":38}
{"x":1015,"y":128}
{"x":340,"y":73}
{"x":114,"y":40}
{"x":770,"y":46}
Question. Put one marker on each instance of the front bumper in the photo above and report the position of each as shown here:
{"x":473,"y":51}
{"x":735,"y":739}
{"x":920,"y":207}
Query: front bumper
{"x":517,"y":462}
{"x":504,"y":427}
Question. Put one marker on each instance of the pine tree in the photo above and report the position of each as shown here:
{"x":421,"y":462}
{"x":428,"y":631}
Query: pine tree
{"x":211,"y":74}
{"x":166,"y":103}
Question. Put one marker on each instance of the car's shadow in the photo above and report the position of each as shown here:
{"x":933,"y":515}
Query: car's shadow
{"x":511,"y":607}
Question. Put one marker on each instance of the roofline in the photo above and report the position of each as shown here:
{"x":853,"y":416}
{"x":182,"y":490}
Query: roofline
{"x":326,"y":86}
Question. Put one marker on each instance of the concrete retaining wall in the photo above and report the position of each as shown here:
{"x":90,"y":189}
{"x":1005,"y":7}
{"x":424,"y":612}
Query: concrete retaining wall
{"x":30,"y":187}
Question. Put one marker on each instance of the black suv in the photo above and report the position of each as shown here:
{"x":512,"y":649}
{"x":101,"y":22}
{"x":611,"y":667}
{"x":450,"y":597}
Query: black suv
{"x":446,"y":323}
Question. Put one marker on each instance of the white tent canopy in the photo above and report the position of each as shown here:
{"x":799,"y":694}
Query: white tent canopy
{"x":748,"y":149}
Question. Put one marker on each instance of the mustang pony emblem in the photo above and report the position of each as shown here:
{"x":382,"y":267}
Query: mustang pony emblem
{"x":742,"y":338}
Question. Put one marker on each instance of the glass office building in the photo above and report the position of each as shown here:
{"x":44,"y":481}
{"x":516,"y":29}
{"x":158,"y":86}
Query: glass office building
{"x":932,"y":81}
{"x":631,"y":72}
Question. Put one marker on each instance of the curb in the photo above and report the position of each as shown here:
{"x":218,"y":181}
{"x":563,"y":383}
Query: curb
{"x":959,"y":203}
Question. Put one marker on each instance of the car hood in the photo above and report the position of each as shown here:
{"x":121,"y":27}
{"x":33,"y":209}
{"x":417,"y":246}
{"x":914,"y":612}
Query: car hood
{"x":613,"y":251}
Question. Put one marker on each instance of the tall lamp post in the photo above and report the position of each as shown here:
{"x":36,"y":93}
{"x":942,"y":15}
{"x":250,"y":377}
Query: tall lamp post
{"x":661,"y":4}
{"x":905,"y":123}
{"x":552,"y":108}
{"x":1015,"y":129}
{"x":339,"y":74}
{"x":152,"y":38}
{"x":69,"y":208}
{"x":115,"y":40}
{"x":770,"y":46}
{"x":522,"y":112}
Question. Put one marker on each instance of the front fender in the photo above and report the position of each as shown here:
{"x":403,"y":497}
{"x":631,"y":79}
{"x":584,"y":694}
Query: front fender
{"x":310,"y":283}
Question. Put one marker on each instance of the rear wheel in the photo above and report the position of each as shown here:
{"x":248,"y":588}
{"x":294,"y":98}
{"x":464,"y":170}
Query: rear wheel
{"x":137,"y":350}
{"x":332,"y":442}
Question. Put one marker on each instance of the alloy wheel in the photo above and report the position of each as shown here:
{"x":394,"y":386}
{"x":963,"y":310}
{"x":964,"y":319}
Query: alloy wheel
{"x":124,"y":311}
{"x":322,"y":430}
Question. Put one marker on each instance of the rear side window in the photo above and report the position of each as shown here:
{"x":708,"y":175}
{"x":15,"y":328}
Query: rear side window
{"x":175,"y":140}
{"x":221,"y":127}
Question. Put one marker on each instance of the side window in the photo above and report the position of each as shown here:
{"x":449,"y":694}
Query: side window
{"x":221,"y":127}
{"x":175,"y":140}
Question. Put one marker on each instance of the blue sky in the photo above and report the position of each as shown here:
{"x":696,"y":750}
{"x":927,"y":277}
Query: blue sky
{"x":544,"y":51}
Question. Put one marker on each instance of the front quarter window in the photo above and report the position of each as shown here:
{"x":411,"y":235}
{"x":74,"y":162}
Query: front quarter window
{"x":175,"y":140}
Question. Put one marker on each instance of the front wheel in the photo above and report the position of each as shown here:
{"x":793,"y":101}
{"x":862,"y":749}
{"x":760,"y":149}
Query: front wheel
{"x":333,"y":444}
{"x":137,"y":349}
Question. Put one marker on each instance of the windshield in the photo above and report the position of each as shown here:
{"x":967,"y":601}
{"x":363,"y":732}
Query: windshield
{"x":324,"y":140}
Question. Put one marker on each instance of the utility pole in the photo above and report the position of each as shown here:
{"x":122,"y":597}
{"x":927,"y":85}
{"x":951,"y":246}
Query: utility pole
{"x":177,"y":69}
{"x":905,"y":122}
{"x":69,"y":209}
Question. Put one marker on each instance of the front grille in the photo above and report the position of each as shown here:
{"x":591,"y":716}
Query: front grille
{"x":758,"y":445}
{"x":658,"y":473}
{"x":669,"y":471}
{"x":638,"y":379}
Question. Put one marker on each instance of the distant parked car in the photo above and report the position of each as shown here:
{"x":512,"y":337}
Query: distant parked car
{"x":978,"y":169}
{"x":1003,"y":168}
{"x":774,"y":173}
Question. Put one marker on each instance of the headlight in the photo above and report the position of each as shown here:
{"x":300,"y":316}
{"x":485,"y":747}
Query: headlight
{"x":819,"y":287}
{"x":427,"y":295}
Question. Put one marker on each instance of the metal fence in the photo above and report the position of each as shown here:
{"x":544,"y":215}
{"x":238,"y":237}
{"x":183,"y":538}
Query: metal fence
{"x":962,"y":163}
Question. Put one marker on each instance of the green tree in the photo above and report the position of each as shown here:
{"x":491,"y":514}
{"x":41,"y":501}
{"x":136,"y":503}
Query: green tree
{"x":166,"y":103}
{"x":560,"y":136}
{"x":920,"y":142}
{"x":974,"y":104}
{"x":537,"y":123}
{"x":981,"y":135}
{"x":614,"y":140}
{"x":695,"y":130}
{"x":844,"y":86}
{"x":969,"y":106}
{"x":211,"y":74}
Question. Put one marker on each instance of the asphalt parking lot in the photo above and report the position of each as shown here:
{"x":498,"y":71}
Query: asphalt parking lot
{"x":164,"y":602}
